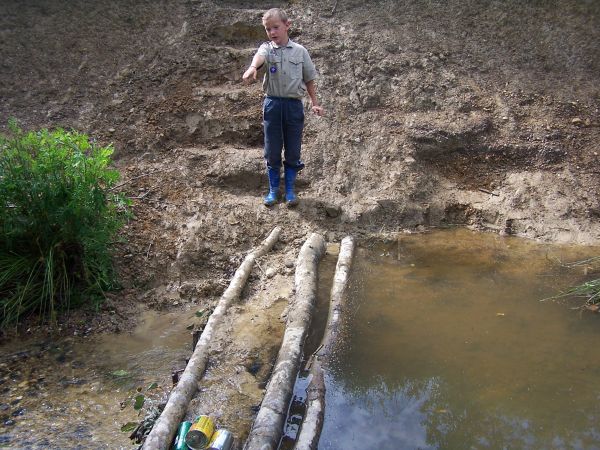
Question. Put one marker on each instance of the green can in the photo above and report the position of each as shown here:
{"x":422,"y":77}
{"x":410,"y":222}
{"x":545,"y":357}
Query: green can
{"x":180,"y":444}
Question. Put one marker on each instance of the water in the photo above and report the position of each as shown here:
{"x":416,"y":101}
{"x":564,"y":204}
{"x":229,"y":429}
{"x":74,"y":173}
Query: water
{"x":78,"y":393}
{"x":448,"y":346}
{"x":297,"y":407}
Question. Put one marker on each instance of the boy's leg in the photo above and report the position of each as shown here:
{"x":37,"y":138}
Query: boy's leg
{"x":293,"y":125}
{"x":272,"y":124}
{"x":273,"y":128}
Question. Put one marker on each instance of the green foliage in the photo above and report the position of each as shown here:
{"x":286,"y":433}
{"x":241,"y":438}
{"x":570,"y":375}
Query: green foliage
{"x":58,"y":217}
{"x":589,"y":290}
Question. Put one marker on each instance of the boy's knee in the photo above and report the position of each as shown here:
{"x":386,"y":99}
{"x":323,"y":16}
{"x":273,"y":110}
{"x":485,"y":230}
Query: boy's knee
{"x":273,"y":160}
{"x":296,"y":165}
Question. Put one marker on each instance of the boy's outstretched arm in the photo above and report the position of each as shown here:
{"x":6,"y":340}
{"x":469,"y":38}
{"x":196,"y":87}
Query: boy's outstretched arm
{"x":311,"y":89}
{"x":250,"y":73}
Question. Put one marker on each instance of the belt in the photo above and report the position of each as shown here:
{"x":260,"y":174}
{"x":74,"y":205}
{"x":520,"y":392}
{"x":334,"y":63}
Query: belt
{"x":289,"y":99}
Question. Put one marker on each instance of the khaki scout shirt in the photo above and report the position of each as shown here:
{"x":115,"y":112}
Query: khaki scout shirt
{"x":287,"y":69}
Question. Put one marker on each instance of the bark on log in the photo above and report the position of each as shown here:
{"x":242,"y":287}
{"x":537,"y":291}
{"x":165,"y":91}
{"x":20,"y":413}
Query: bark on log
{"x":268,"y":425}
{"x":310,"y":430}
{"x":163,"y":432}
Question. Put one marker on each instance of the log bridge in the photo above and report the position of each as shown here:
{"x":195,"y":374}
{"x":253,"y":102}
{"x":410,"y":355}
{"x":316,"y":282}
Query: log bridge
{"x":268,"y":425}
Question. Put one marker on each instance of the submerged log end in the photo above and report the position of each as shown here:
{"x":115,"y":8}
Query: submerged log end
{"x":310,"y":431}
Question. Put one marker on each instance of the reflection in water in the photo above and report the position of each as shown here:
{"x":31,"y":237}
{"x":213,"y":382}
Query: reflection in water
{"x":449,"y":347}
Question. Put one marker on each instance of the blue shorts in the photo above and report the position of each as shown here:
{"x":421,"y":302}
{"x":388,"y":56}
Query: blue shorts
{"x":283,"y":121}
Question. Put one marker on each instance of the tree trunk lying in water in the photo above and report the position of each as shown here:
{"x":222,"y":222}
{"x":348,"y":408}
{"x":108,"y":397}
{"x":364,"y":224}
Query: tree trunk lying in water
{"x":310,"y":431}
{"x":267,"y":428}
{"x":163,"y":432}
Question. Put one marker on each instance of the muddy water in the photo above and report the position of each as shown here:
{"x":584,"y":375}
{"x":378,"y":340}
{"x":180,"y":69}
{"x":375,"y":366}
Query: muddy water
{"x":79,"y":392}
{"x":449,"y":347}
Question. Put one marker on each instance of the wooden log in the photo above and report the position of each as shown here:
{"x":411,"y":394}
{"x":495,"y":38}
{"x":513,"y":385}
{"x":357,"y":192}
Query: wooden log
{"x":268,"y":425}
{"x":312,"y":423}
{"x":337,"y":296}
{"x":310,"y":430}
{"x":163,"y":432}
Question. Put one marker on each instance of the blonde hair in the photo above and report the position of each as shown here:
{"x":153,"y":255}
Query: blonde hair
{"x":275,"y":13}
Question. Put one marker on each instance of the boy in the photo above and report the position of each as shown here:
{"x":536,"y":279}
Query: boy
{"x":289,"y":73}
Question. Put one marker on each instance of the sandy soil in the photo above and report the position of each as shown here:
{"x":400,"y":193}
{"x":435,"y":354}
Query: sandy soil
{"x":476,"y":113}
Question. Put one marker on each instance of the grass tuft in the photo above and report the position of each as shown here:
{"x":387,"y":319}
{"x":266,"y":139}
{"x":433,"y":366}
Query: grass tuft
{"x":589,"y":290}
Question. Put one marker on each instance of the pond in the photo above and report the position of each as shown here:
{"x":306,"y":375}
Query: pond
{"x":79,"y":392}
{"x":447,"y":345}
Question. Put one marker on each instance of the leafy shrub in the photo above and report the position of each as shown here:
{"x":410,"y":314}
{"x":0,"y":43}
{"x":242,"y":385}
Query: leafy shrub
{"x":58,"y":217}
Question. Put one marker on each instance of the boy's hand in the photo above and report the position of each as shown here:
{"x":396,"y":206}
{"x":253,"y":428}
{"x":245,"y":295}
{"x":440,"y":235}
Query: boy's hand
{"x":318,"y":110}
{"x":249,"y":75}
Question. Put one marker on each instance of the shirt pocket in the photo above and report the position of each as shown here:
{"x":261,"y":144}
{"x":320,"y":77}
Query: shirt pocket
{"x":273,"y":60}
{"x":296,"y":68}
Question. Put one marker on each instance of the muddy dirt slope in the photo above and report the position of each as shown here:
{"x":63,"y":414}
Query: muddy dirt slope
{"x":459,"y":112}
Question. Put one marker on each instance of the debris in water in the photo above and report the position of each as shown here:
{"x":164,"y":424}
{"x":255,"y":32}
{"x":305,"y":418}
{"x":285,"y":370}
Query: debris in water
{"x":120,"y":373}
{"x":139,"y":402}
{"x":129,"y":426}
{"x":143,"y":428}
{"x":18,"y":412}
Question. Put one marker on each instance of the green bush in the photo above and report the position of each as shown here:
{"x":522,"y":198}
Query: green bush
{"x":58,"y":218}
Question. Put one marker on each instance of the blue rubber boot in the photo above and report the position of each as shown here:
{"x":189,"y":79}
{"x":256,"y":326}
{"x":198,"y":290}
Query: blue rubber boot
{"x":290,"y":180}
{"x":274,"y":177}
